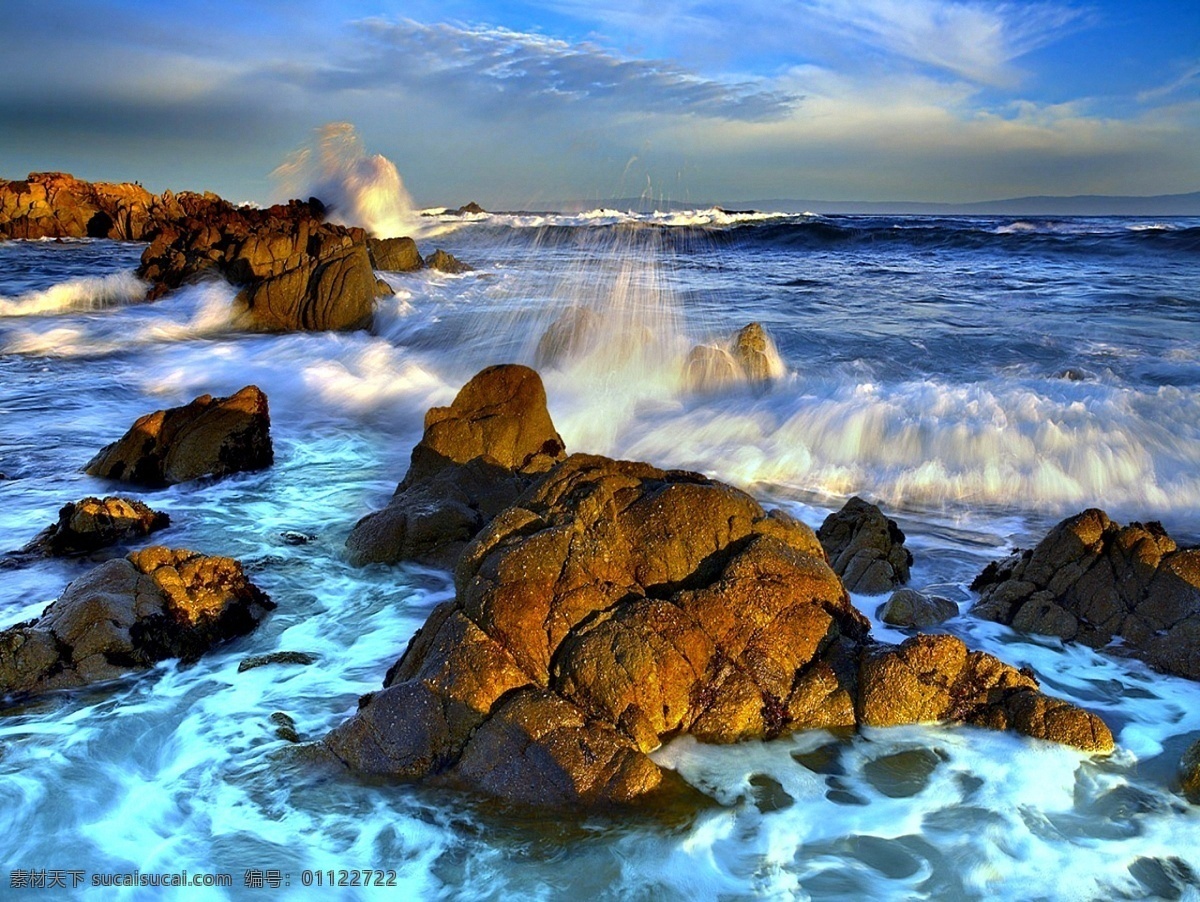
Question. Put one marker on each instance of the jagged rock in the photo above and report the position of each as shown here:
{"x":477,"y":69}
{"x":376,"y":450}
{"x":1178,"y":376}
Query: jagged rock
{"x":447,"y":263}
{"x":936,"y":678}
{"x":285,"y":726}
{"x":301,"y":658}
{"x":754,"y":352}
{"x":128,"y":614}
{"x":469,"y":209}
{"x":750,"y":357}
{"x":58,"y":205}
{"x":92,"y":523}
{"x":207,"y":437}
{"x":572,"y":334}
{"x":908,"y":607}
{"x":475,"y":458}
{"x":613,"y":605}
{"x":865,"y":548}
{"x":1189,"y":773}
{"x":394,"y":254}
{"x":1092,"y":581}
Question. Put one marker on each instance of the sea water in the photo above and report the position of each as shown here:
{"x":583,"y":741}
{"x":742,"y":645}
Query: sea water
{"x":981,"y":378}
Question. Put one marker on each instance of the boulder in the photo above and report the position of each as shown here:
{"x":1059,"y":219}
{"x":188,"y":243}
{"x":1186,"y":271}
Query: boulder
{"x":755,"y":353}
{"x":394,"y":254}
{"x":93,"y":523}
{"x":1091,"y":580}
{"x":865,"y":548}
{"x":469,"y":209}
{"x":613,"y":605}
{"x":207,"y":437}
{"x":475,"y":458}
{"x":128,"y":614}
{"x":447,"y":263}
{"x":936,"y":678}
{"x":910,"y":608}
{"x":749,"y":357}
{"x":1189,"y":773}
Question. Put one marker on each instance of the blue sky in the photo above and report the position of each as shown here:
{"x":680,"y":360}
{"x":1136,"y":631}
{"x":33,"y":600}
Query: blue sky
{"x":517,"y":104}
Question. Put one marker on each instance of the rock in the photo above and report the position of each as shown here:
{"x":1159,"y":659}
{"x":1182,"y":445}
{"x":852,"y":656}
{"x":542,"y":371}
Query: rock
{"x":750,"y":357}
{"x":469,"y":209}
{"x":475,"y":458}
{"x":92,"y":523}
{"x":865,"y":548}
{"x":709,"y":369}
{"x":58,"y":205}
{"x":447,"y":263}
{"x":755,"y":353}
{"x":394,"y":254}
{"x":1189,"y":773}
{"x":128,"y":614}
{"x":936,"y":678}
{"x":285,"y":726}
{"x":572,"y":334}
{"x":908,"y":607}
{"x":614,"y":605}
{"x":207,"y":437}
{"x":1092,"y":581}
{"x":302,"y":658}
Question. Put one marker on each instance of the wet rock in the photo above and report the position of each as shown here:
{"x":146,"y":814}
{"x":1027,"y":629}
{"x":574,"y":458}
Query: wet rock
{"x":749,"y":357}
{"x":1189,"y":773}
{"x":285,"y":726}
{"x":92,"y":523}
{"x":469,"y":209}
{"x":447,"y":263}
{"x":572,"y":334}
{"x":865,"y":548}
{"x":207,"y":437}
{"x":937,"y":678}
{"x":755,"y":353}
{"x":709,"y":369}
{"x":908,"y":607}
{"x":475,"y":458}
{"x":293,"y":537}
{"x":394,"y":254}
{"x":1092,"y":581}
{"x":127,"y":615}
{"x":301,"y":658}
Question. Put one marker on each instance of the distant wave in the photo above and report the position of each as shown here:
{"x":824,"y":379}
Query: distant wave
{"x":77,"y":295}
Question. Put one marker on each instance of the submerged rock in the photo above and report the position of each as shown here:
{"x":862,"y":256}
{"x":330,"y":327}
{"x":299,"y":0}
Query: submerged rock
{"x":572,"y":334}
{"x":301,"y":658}
{"x":908,"y":607}
{"x":93,"y":523}
{"x":128,"y":614}
{"x":475,"y":458}
{"x":1092,"y":581}
{"x":865,"y":548}
{"x":207,"y":437}
{"x":58,"y":205}
{"x":613,"y":605}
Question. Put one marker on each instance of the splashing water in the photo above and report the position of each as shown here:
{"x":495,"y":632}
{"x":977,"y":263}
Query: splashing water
{"x":359,"y":189}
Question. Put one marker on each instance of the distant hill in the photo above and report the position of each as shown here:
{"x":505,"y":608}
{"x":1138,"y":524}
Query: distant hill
{"x":1042,"y":205}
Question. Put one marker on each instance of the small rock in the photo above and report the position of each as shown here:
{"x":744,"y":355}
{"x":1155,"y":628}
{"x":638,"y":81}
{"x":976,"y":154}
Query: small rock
{"x":276,"y":657}
{"x":285,"y":727}
{"x":865,"y":548}
{"x":291,"y":537}
{"x":447,"y":263}
{"x":908,"y":607}
{"x":92,"y":523}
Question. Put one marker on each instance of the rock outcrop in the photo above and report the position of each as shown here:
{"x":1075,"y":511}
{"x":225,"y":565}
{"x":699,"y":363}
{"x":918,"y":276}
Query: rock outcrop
{"x":58,"y":205}
{"x":207,"y":437}
{"x":394,"y":254}
{"x":748,"y":358}
{"x":865,"y":548}
{"x":910,"y":608}
{"x":128,"y":614}
{"x":1092,"y":581}
{"x":613,"y":605}
{"x":475,"y":458}
{"x":92,"y":523}
{"x":447,"y":263}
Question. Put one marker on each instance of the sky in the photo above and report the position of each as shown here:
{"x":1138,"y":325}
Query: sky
{"x":524,"y":103}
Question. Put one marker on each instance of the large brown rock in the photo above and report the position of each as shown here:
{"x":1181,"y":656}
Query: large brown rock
{"x":394,"y":254}
{"x":128,"y":614}
{"x":475,"y":458}
{"x":613,"y":605}
{"x":207,"y":437}
{"x":93,"y":523}
{"x":58,"y":205}
{"x":1092,"y":581}
{"x":865,"y":548}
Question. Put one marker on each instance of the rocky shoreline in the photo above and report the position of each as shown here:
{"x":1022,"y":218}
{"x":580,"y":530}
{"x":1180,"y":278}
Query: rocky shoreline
{"x":602,"y":607}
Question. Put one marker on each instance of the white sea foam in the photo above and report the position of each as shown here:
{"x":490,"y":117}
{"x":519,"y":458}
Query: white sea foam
{"x":87,"y":294}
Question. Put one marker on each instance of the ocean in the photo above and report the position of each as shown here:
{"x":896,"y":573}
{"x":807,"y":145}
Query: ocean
{"x":981,"y":378}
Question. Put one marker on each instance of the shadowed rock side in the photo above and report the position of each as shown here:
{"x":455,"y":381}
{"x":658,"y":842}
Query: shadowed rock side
{"x":475,"y":458}
{"x":207,"y":437}
{"x":910,"y":608}
{"x":128,"y":614}
{"x":616,"y":605}
{"x":1092,"y":581}
{"x":865,"y":548}
{"x":93,"y":523}
{"x":1189,"y":773}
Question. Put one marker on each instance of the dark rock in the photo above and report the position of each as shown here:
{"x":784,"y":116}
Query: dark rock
{"x":447,"y":263}
{"x":92,"y":523}
{"x":475,"y":458}
{"x":285,"y":726}
{"x":394,"y":254}
{"x":908,"y":607}
{"x":613,"y":605}
{"x":302,"y":658}
{"x":1189,"y":773}
{"x":208,"y":437}
{"x":936,"y":678}
{"x":469,"y":209}
{"x":291,"y":537}
{"x":128,"y":614}
{"x":1092,"y":581}
{"x":865,"y":548}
